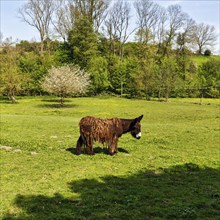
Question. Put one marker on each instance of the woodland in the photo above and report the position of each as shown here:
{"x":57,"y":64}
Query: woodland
{"x":133,"y":49}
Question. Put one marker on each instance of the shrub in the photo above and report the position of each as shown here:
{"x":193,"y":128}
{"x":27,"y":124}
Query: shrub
{"x":207,"y":52}
{"x":66,"y":80}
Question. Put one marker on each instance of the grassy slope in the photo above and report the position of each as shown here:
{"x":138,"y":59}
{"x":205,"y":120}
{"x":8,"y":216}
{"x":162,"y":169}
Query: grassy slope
{"x":172,"y":172}
{"x":199,"y":60}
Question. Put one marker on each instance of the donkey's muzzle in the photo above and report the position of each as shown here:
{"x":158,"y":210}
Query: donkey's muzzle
{"x":138,"y":136}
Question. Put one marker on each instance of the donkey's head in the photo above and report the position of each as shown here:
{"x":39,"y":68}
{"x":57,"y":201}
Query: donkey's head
{"x":135,"y":127}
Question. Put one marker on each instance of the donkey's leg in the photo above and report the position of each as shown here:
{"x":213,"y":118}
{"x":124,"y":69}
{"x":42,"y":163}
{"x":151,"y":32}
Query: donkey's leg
{"x":111,"y":150}
{"x":113,"y":146}
{"x":116,"y":146}
{"x":79,"y":145}
{"x":89,"y":146}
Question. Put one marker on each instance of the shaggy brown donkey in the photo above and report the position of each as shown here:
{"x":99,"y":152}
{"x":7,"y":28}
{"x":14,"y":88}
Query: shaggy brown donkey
{"x":106,"y":131}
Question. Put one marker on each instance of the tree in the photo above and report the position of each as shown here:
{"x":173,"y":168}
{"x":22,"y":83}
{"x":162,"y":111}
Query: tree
{"x":147,"y":13}
{"x":176,"y":19}
{"x":38,"y":14}
{"x":67,"y":11}
{"x":98,"y":70}
{"x":83,"y":42}
{"x":204,"y":36}
{"x":95,"y":10}
{"x":145,"y":70}
{"x":207,"y":53}
{"x":209,"y":78}
{"x":185,"y":37}
{"x":117,"y":24}
{"x":66,"y":80}
{"x":190,"y":81}
{"x":166,"y":76}
{"x":145,"y":78}
{"x":26,"y":46}
{"x":10,"y":76}
{"x":64,"y":18}
{"x":34,"y":67}
{"x":160,"y":28}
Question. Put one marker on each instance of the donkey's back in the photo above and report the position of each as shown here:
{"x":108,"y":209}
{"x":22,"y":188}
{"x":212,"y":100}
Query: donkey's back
{"x":97,"y":129}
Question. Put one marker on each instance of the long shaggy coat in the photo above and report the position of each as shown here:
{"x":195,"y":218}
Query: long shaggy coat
{"x":105,"y":131}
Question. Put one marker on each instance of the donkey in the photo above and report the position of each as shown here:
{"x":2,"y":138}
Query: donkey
{"x":106,"y":131}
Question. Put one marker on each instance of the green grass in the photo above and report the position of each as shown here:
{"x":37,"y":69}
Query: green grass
{"x":199,"y":59}
{"x":172,"y":172}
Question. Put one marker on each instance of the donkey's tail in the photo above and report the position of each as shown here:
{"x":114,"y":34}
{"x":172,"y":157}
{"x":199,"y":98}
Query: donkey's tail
{"x":79,"y":145}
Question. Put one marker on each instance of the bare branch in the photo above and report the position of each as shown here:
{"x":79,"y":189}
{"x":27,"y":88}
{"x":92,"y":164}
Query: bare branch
{"x":148,"y":16}
{"x":38,"y":14}
{"x":204,"y":35}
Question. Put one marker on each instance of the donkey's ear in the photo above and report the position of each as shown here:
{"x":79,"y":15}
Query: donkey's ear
{"x":139,"y":118}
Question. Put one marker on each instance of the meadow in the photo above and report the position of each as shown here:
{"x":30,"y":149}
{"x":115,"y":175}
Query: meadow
{"x":199,"y":60}
{"x":172,"y":172}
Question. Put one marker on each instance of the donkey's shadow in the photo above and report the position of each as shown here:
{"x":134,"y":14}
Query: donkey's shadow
{"x":97,"y":150}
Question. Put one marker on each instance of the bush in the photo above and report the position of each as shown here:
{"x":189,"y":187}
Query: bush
{"x":207,"y":53}
{"x":66,"y":80}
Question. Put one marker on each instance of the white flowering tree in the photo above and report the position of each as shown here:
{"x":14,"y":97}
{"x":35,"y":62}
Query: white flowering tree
{"x":66,"y":80}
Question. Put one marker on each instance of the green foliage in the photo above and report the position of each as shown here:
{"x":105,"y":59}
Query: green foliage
{"x":26,"y":46}
{"x":172,"y":172}
{"x":63,"y":54}
{"x":166,"y":77}
{"x":137,"y":74}
{"x":145,"y":70}
{"x":142,"y":70}
{"x":10,"y":76}
{"x":190,"y":82}
{"x":144,"y":78}
{"x":34,"y":67}
{"x":207,"y":53}
{"x":98,"y":69}
{"x":209,"y":77}
{"x":121,"y":74}
{"x":199,"y":60}
{"x":113,"y":62}
{"x":129,"y":83}
{"x":83,"y":42}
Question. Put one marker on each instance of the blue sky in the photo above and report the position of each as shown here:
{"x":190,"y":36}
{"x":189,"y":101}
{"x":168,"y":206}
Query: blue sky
{"x":206,"y":11}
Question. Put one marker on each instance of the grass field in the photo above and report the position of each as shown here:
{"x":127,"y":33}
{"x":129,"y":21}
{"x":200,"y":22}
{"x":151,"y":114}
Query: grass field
{"x":199,"y":60}
{"x":172,"y":172}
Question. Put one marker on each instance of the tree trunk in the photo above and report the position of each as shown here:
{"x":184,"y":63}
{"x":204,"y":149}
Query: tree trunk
{"x":167,"y":96}
{"x":61,"y":100}
{"x":12,"y":95}
{"x":200,"y":50}
{"x":11,"y":98}
{"x":201,"y":97}
{"x":121,"y":85}
{"x":41,"y":46}
{"x":121,"y":88}
{"x":159,"y":95}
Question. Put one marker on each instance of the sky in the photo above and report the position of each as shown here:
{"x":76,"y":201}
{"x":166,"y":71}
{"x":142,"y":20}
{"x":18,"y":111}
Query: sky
{"x":206,"y":11}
